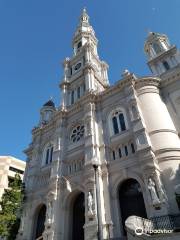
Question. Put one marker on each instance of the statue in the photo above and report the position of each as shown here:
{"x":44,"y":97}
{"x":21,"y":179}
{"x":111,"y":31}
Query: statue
{"x":153,"y":192}
{"x":49,"y":213}
{"x":90,"y":203}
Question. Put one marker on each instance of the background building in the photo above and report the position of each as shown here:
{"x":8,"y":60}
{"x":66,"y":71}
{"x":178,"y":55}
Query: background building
{"x":9,"y":166}
{"x":108,"y":152}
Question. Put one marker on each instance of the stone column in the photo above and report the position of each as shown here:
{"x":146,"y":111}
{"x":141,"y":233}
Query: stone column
{"x":108,"y":226}
{"x":89,"y":78}
{"x":87,"y":52}
{"x":89,"y":133}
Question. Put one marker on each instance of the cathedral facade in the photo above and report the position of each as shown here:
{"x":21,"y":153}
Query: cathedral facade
{"x":108,"y":152}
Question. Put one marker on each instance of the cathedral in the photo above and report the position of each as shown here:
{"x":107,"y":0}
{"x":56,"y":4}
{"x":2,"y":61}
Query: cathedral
{"x":107,"y":160}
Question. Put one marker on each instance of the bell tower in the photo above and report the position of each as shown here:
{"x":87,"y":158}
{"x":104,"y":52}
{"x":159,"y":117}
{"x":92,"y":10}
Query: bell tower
{"x":84,"y":72}
{"x":162,"y":56}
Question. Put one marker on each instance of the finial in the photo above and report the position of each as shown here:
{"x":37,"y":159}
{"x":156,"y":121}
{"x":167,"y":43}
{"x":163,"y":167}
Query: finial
{"x":148,"y":31}
{"x":125,"y":73}
{"x":84,"y":16}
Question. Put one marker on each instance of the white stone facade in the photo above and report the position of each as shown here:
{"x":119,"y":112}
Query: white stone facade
{"x":101,"y":137}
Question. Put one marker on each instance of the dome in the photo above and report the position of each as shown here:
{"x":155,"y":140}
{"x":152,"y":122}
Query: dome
{"x":49,"y":103}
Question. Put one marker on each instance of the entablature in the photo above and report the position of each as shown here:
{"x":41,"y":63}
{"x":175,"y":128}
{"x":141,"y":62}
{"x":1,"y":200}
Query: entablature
{"x":162,"y":55}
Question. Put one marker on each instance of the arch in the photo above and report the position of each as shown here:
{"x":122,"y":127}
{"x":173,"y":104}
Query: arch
{"x":131,"y":200}
{"x":78,"y":217}
{"x":74,"y":206}
{"x":123,"y":177}
{"x":39,"y":221}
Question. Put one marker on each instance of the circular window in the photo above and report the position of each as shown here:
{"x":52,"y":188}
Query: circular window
{"x":77,"y":133}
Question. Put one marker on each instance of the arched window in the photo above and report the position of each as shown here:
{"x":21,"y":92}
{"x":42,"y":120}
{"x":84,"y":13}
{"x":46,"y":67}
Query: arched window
{"x":84,"y":87}
{"x":118,"y":122}
{"x":120,"y":153}
{"x":126,"y":150}
{"x":115,"y":125}
{"x":48,"y":154}
{"x":72,"y":97}
{"x":114,"y":155}
{"x":78,"y":92}
{"x":122,"y":122}
{"x":132,"y":148}
{"x":157,"y":48}
{"x":166,"y":65}
{"x":79,"y":45}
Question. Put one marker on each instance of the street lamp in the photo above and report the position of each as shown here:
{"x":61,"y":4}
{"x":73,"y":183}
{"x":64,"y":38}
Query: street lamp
{"x":95,"y":166}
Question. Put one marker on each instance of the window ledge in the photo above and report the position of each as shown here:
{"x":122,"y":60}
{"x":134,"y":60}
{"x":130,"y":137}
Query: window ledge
{"x":120,"y":135}
{"x":46,"y":167}
{"x":75,"y":144}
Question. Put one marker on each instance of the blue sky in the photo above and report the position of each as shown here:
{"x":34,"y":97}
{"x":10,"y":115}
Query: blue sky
{"x":36,"y":35}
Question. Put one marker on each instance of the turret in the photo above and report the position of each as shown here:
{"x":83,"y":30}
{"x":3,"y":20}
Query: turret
{"x":46,"y":112}
{"x":162,"y":56}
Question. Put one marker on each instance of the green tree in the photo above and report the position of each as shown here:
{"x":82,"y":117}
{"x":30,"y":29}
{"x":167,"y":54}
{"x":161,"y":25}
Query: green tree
{"x":11,"y":209}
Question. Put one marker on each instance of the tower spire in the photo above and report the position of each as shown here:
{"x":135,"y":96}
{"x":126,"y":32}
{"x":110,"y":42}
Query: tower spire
{"x":84,"y":33}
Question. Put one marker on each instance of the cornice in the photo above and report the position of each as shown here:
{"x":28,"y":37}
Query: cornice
{"x":63,"y":83}
{"x":100,"y":80}
{"x":163,"y":130}
{"x":90,"y":96}
{"x":84,"y":34}
{"x":127,"y":81}
{"x":161,"y":56}
{"x":171,"y":76}
{"x":147,"y":81}
{"x":74,"y":58}
{"x":44,"y":128}
{"x":28,"y":150}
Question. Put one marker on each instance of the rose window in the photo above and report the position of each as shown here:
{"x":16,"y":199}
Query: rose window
{"x":77,"y":133}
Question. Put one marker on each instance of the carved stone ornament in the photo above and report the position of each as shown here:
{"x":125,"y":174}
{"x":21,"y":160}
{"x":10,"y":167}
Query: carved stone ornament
{"x":153,"y":192}
{"x":49,"y":213}
{"x":88,"y":129}
{"x":125,"y":73}
{"x":90,"y":203}
{"x":51,"y":196}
